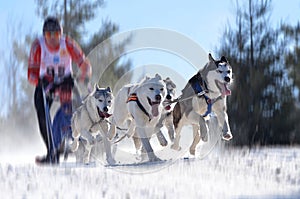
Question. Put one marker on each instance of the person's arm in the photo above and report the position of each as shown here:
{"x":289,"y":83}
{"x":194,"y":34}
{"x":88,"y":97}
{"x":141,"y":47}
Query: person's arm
{"x":79,"y":58}
{"x":34,"y":61}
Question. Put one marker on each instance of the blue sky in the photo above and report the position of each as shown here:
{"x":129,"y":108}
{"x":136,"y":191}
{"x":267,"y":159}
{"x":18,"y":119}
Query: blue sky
{"x":201,"y":21}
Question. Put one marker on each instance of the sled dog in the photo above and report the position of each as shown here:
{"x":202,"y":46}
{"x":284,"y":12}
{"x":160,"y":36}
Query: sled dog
{"x":166,"y":118}
{"x":194,"y":109}
{"x":138,"y":107}
{"x":89,"y":123}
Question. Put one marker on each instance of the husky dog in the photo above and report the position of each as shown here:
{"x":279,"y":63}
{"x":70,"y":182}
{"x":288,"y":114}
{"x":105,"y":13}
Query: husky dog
{"x":139,"y":108}
{"x":89,"y":123}
{"x":194,"y":109}
{"x":166,"y":118}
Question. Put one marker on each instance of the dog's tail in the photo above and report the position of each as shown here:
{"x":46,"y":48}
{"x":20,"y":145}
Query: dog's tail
{"x":176,"y":114}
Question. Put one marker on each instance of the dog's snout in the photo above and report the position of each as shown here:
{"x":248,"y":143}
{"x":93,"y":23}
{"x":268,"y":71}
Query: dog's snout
{"x":157,"y":97}
{"x":227,"y":79}
{"x":105,"y":109}
{"x":168,"y":97}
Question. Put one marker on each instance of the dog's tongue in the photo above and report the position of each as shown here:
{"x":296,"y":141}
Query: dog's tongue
{"x":155,"y":110}
{"x":225,"y":90}
{"x":168,"y":107}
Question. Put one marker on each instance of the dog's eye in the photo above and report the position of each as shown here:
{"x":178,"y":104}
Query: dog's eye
{"x":228,"y":71}
{"x":151,"y":89}
{"x":162,"y":89}
{"x":109,"y":101}
{"x":100,"y":100}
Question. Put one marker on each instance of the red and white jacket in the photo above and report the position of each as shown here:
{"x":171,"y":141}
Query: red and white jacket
{"x":43,"y":61}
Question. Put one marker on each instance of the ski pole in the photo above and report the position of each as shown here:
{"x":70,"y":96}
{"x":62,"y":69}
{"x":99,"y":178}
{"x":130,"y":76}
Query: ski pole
{"x":48,"y":124}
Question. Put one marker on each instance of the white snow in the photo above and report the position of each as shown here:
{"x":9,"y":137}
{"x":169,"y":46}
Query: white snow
{"x":224,"y":173}
{"x":261,"y":172}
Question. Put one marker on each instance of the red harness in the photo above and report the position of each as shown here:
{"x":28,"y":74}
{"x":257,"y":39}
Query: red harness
{"x":133,"y":98}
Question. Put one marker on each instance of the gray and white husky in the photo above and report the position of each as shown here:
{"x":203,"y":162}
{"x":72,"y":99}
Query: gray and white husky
{"x":89,"y":123}
{"x":166,"y":118}
{"x":193,"y":109}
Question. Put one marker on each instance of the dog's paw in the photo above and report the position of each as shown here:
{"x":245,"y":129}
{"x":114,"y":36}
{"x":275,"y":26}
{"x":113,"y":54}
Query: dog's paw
{"x":175,"y":147}
{"x":86,"y":160}
{"x":192,"y":151}
{"x":227,"y":136}
{"x":111,"y":161}
{"x":154,"y":158}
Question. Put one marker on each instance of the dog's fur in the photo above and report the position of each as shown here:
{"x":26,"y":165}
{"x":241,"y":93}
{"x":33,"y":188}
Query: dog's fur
{"x":89,"y":123}
{"x":217,"y":75}
{"x":166,"y":118}
{"x":150,"y":93}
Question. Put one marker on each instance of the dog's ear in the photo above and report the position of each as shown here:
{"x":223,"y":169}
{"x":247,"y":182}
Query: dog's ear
{"x":210,"y":58}
{"x":95,"y":87}
{"x":223,"y":59}
{"x":108,"y":89}
{"x":173,"y":84}
{"x":158,"y":76}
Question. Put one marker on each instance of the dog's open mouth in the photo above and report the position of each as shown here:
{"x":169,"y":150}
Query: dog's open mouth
{"x":154,"y":105}
{"x":103,"y":114}
{"x":167,"y":104}
{"x":224,"y":88}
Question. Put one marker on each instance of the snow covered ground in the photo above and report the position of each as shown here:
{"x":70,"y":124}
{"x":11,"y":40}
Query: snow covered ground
{"x":224,"y":173}
{"x":216,"y":172}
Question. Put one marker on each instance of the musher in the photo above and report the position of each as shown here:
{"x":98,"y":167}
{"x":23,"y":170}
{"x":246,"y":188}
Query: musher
{"x":50,"y":71}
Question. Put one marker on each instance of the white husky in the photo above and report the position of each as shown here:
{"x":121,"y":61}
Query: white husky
{"x":139,"y":108}
{"x":89,"y":122}
{"x":193,"y":109}
{"x":166,"y":118}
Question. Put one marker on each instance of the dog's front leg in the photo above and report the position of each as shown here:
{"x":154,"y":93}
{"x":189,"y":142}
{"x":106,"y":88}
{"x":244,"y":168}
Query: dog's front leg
{"x":112,"y":131}
{"x":88,"y":137}
{"x":87,"y":153}
{"x":107,"y":145}
{"x":175,"y":144}
{"x":220,"y":110}
{"x":170,"y":126}
{"x":109,"y":158}
{"x":196,"y":140}
{"x":146,"y":144}
{"x":226,"y":128}
{"x":157,"y":130}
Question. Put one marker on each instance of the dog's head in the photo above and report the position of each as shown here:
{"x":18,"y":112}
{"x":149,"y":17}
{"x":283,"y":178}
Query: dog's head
{"x":220,"y":72}
{"x":170,"y":87}
{"x":103,"y":97}
{"x":154,"y":91}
